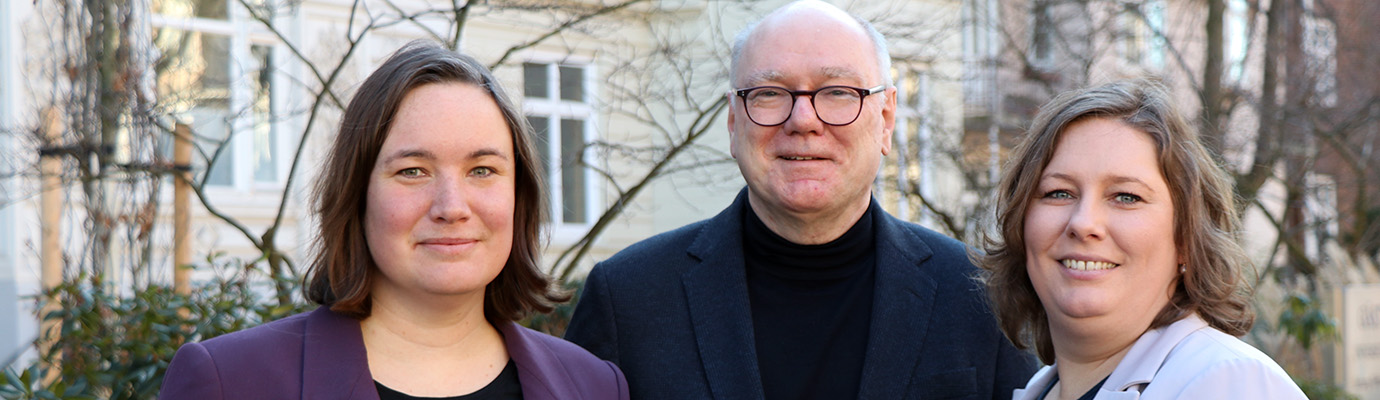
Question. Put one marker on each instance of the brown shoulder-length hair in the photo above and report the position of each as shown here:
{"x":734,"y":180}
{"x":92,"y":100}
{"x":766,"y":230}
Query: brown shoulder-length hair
{"x":343,"y":270}
{"x":1206,"y":222}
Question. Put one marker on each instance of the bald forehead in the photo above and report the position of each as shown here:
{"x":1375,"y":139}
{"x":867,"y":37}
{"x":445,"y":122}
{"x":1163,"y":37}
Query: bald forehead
{"x":798,"y":20}
{"x":758,"y":77}
{"x":807,"y":13}
{"x":811,"y":7}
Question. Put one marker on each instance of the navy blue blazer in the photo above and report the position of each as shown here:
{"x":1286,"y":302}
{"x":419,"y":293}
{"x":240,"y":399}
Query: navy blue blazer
{"x":672,"y":311}
{"x":321,"y":355}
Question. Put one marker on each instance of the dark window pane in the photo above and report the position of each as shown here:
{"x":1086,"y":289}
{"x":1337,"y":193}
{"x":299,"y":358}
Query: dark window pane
{"x":573,"y":84}
{"x":193,"y":88}
{"x":223,"y":168}
{"x":1043,"y":35}
{"x":265,"y":137}
{"x":542,"y":127}
{"x":572,"y":170}
{"x":534,"y":80}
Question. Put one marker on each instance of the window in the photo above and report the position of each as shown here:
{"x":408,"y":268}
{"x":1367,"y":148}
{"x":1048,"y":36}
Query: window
{"x":217,"y":74}
{"x":1042,"y":34}
{"x":910,"y":165}
{"x":1141,"y":31}
{"x":1320,"y":46}
{"x":558,"y":108}
{"x":1237,"y":34}
{"x":1319,"y":213}
{"x":981,"y":47}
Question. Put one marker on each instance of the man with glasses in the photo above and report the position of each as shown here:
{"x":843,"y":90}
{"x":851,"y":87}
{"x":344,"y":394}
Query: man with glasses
{"x":804,"y":288}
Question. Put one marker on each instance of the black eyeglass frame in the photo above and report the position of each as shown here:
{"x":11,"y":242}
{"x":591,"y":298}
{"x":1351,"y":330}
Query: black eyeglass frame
{"x":795,"y":94}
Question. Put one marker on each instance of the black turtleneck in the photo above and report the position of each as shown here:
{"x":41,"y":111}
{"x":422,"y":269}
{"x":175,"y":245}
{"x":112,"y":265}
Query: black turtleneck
{"x":811,"y":308}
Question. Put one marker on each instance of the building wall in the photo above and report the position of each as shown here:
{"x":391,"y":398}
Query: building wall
{"x":1358,"y":105}
{"x":9,"y":296}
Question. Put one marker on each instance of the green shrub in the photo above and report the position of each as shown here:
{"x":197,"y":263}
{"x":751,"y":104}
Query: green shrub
{"x":555,"y":322}
{"x":117,"y":343}
{"x":1323,"y":390}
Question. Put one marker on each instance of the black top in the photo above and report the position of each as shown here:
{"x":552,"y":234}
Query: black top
{"x":1092,"y":393}
{"x":503,"y":387}
{"x":811,"y":309}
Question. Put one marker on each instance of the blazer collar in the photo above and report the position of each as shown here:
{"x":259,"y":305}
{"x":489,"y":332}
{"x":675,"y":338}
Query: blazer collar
{"x":334,"y":364}
{"x":716,"y":292}
{"x":901,"y":305}
{"x":1146,"y":356}
{"x":334,"y":354}
{"x":1042,"y":379}
{"x":1135,"y":371}
{"x":540,"y":373}
{"x":1035,"y":385}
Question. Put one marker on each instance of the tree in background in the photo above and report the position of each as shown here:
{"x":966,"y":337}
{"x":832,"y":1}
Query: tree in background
{"x":1282,"y":90}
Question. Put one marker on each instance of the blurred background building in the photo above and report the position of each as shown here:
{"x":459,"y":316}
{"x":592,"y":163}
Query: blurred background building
{"x":629,"y":97}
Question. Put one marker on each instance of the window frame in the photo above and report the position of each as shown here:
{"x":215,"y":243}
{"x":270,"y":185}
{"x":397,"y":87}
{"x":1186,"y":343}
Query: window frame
{"x":1142,"y":43}
{"x":554,"y":109}
{"x":1043,"y":32}
{"x":9,"y":101}
{"x":913,"y":112}
{"x":1237,"y":35}
{"x":244,"y":33}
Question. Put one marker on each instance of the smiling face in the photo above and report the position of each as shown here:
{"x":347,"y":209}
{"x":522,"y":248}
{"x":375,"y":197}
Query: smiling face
{"x":804,"y":167}
{"x":439,"y":208}
{"x":1099,"y":234}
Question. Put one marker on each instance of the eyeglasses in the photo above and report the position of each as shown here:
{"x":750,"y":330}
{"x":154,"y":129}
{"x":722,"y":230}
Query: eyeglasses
{"x":835,"y":105}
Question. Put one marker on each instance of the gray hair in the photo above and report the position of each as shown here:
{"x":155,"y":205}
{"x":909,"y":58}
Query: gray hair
{"x":878,"y":44}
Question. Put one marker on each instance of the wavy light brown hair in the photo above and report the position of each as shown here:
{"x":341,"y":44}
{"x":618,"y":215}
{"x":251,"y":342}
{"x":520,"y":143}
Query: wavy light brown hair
{"x":343,"y":271}
{"x":1206,"y":221}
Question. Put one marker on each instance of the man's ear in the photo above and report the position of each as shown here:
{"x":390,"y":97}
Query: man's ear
{"x":888,"y":120}
{"x":732,"y":134}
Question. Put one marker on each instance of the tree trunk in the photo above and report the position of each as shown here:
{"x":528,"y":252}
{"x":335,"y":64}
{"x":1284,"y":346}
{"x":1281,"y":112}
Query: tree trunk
{"x":1212,"y":95}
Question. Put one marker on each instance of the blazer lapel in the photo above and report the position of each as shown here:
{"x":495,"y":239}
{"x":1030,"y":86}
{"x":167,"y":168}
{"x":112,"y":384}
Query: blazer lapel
{"x":1036,"y":386}
{"x":334,"y":364}
{"x":540,"y":373}
{"x":1043,"y":378}
{"x":716,"y":293}
{"x":901,"y":305}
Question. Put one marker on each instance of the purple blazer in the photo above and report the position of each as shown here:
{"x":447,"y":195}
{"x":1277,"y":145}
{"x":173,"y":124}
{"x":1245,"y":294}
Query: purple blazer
{"x":320,"y":355}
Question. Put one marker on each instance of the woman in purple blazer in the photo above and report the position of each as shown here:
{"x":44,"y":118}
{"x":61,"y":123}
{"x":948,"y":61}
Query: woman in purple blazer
{"x":430,"y":205}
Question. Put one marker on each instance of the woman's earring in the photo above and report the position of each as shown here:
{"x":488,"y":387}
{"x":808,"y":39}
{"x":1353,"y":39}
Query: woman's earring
{"x":1182,"y":269}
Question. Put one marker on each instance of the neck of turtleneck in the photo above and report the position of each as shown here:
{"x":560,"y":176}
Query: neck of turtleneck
{"x":770,"y":253}
{"x":811,"y":308}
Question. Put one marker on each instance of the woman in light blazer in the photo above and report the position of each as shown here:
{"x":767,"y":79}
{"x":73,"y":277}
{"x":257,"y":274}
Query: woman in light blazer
{"x":1117,"y":256}
{"x":430,"y":205}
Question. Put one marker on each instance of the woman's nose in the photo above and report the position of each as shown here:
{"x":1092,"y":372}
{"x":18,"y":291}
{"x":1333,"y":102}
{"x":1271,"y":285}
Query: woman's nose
{"x":449,"y":201}
{"x":1087,"y":221}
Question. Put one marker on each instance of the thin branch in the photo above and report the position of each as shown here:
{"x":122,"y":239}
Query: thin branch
{"x":944,"y":218}
{"x":702,"y":124}
{"x":462,"y":17}
{"x":559,"y":29}
{"x":267,"y":23}
{"x":311,"y":120}
{"x":1293,"y":247}
{"x":413,"y":18}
